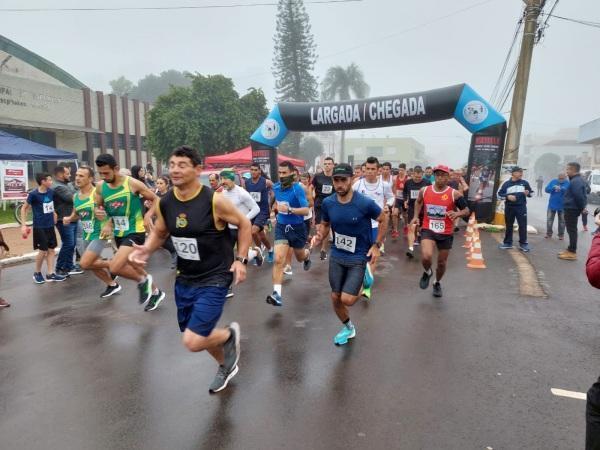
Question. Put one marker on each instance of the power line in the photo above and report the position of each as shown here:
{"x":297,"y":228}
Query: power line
{"x":588,"y":23}
{"x":164,"y":8}
{"x":506,"y":60}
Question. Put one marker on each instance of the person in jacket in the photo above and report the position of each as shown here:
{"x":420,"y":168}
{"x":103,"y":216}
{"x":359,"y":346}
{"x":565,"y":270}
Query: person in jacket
{"x":574,"y":201}
{"x":592,"y":409}
{"x":556,"y":188}
{"x":515,"y":192}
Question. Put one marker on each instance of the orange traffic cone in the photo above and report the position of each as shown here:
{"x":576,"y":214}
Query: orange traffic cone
{"x":470,"y":231}
{"x":476,"y":260}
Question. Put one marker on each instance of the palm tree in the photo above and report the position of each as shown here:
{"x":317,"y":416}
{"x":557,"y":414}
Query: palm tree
{"x":340,"y":83}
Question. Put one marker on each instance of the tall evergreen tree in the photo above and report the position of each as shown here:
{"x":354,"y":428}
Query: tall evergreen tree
{"x":294,"y":61}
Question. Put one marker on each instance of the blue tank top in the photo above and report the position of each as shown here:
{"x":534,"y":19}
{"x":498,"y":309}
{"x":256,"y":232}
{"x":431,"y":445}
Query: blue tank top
{"x":260,"y":193}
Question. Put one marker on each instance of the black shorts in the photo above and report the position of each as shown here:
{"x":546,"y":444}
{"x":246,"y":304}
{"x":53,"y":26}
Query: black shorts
{"x":234,"y":235}
{"x":44,"y":239}
{"x":130,"y":239}
{"x":318,"y":217}
{"x":346,"y":276}
{"x":399,"y":204}
{"x":260,"y":221}
{"x":443,"y":241}
{"x":308,"y":224}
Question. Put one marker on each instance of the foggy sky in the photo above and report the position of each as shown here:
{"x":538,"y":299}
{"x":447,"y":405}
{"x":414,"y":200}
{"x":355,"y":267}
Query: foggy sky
{"x":391,"y":40}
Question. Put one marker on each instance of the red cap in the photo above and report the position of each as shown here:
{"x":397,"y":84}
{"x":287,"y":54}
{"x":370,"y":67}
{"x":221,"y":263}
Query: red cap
{"x":441,"y":168}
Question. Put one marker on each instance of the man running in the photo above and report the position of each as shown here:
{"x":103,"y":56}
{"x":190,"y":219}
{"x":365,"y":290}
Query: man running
{"x":381,"y":193}
{"x":399,"y":211}
{"x":349,"y":215}
{"x":258,"y":187}
{"x":196,"y":219}
{"x":412,"y":187}
{"x":83,"y":210}
{"x":118,"y":198}
{"x":290,"y":231}
{"x":322,"y":186}
{"x":438,"y":203}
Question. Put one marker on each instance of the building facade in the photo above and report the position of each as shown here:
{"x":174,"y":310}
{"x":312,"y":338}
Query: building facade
{"x":393,"y":150}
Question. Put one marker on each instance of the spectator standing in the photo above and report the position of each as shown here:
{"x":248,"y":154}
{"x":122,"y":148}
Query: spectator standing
{"x":515,"y":191}
{"x":556,"y":188}
{"x":63,"y":205}
{"x":540,"y":184}
{"x":575,"y":200}
{"x":3,"y":248}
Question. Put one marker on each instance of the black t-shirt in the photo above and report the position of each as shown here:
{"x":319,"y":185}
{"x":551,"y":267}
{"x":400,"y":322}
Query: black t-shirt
{"x":323,"y":187}
{"x":411,"y":191}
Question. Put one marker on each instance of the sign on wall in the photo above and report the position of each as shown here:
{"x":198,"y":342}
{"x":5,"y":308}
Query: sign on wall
{"x":13,"y":179}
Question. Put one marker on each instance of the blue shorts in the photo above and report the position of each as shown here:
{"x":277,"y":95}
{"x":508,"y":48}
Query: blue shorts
{"x":199,"y":308}
{"x":293,"y":235}
{"x":260,"y":220}
{"x":346,"y":276}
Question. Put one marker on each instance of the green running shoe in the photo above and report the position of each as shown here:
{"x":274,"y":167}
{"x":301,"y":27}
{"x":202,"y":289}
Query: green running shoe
{"x":366,"y":293}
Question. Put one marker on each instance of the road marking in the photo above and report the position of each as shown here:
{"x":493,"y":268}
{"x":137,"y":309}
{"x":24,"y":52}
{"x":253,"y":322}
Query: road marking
{"x":569,"y":394}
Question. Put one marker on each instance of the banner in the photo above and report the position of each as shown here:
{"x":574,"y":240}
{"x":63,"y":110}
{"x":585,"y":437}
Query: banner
{"x":262,"y":157}
{"x":13,"y":180}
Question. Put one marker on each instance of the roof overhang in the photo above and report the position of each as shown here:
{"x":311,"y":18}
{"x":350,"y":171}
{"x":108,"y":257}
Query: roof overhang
{"x":28,"y":124}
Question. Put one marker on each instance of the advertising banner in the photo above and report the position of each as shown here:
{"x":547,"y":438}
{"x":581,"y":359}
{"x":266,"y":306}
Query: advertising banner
{"x":262,"y":157}
{"x":13,"y":179}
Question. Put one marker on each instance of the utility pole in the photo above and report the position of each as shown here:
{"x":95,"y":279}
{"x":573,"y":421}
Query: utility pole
{"x":515,"y":124}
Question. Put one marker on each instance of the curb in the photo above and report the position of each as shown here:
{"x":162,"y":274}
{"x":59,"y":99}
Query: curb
{"x":23,"y":259}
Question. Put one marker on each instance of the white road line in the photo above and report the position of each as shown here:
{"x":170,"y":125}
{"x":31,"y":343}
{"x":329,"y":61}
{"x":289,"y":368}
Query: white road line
{"x":570,"y":394}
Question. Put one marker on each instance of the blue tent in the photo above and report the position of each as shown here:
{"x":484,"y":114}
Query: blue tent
{"x":13,"y":148}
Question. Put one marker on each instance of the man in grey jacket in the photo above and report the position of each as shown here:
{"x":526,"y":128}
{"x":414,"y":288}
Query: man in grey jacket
{"x":63,"y":205}
{"x":574,"y":202}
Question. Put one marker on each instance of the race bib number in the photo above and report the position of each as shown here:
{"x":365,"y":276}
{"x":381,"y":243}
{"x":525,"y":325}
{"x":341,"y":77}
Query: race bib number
{"x":343,"y":242}
{"x":48,"y":207}
{"x":121,"y":223}
{"x":186,"y":248}
{"x":88,"y":226}
{"x":283,"y":205}
{"x":414,"y":194}
{"x":327,"y":189}
{"x":437,"y":226}
{"x":255,"y":196}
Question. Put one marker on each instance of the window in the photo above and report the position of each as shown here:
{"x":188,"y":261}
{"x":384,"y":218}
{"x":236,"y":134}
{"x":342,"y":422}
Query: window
{"x":121,"y":141}
{"x":132,"y":142}
{"x":375,"y":151}
{"x":96,"y":140}
{"x":109,"y":140}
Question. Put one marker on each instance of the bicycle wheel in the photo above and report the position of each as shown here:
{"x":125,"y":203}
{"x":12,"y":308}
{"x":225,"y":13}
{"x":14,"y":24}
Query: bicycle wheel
{"x":29,"y":218}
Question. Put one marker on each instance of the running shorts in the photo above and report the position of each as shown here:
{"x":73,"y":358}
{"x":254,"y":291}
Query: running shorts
{"x":293,"y":235}
{"x":260,"y":221}
{"x":199,"y":308}
{"x":442,"y":241}
{"x":346,"y":276}
{"x":130,"y":239}
{"x":44,"y":239}
{"x":95,"y":246}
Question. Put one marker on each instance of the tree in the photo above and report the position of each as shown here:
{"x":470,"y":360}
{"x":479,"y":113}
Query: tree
{"x":294,"y":60}
{"x":548,"y":165}
{"x":340,"y":84}
{"x":310,"y":148}
{"x":152,"y":86}
{"x":121,"y":86}
{"x":208,"y":115}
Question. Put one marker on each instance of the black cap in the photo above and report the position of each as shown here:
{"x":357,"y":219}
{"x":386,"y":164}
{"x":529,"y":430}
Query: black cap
{"x":343,"y":170}
{"x":516,"y":169}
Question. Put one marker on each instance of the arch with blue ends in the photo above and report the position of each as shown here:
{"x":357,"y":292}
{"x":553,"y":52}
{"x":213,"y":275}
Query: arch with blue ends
{"x":461,"y":102}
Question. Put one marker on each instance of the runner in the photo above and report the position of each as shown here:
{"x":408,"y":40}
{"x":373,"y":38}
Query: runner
{"x":399,"y":211}
{"x":386,"y":173}
{"x":291,"y":206}
{"x":322,"y":187}
{"x":258,"y":186}
{"x":196,"y":219}
{"x":41,"y":201}
{"x":287,"y":270}
{"x":438,"y":203}
{"x":349,"y":214}
{"x":83,"y":209}
{"x":412,"y":187}
{"x":120,"y":198}
{"x":381,"y":193}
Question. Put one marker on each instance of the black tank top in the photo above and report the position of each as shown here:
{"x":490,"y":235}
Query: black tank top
{"x":204,"y":252}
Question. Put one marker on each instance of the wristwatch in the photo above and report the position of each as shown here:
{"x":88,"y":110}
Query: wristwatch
{"x":290,"y":211}
{"x":241,"y":259}
{"x":378,"y":244}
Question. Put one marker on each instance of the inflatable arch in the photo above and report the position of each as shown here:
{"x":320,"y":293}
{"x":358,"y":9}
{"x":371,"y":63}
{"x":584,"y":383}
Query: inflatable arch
{"x":461,"y":102}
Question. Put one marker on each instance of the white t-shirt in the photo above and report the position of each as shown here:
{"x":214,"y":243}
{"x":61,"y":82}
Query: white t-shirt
{"x":380,"y":192}
{"x":242,"y":201}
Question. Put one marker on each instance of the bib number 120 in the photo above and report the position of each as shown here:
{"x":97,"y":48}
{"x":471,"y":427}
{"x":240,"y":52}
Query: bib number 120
{"x":186,"y":248}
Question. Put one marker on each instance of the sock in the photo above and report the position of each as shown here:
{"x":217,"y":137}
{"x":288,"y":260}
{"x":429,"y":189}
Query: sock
{"x":429,"y":271}
{"x":143,"y":280}
{"x":252,"y":254}
{"x":155,"y":291}
{"x":348,"y":323}
{"x":277,"y":288}
{"x":411,"y":249}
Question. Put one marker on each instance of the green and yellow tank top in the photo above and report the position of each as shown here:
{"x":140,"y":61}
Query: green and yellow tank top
{"x":125,"y":209}
{"x":85,"y":210}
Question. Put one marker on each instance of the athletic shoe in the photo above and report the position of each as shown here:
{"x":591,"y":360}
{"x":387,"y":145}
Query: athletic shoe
{"x":560,"y":238}
{"x":410,"y":253}
{"x":456,"y":229}
{"x":368,"y":278}
{"x":395,"y":235}
{"x":524,"y":248}
{"x":504,"y":246}
{"x":424,"y":282}
{"x":567,"y":255}
{"x":222,"y":378}
{"x":76,"y":270}
{"x":548,"y":236}
{"x":345,"y":333}
{"x":231,"y":348}
{"x":274,"y":299}
{"x":111,"y":290}
{"x":366,"y":293}
{"x":145,"y":290}
{"x":259,"y":258}
{"x":382,"y":249}
{"x":38,"y":278}
{"x":270,"y":256}
{"x":4,"y":303}
{"x":62,"y":273}
{"x":287,"y":270}
{"x":154,"y":301}
{"x":55,"y":277}
{"x":417,"y":242}
{"x":307,"y":262}
{"x":323,"y":255}
{"x":229,"y":293}
{"x":437,"y":289}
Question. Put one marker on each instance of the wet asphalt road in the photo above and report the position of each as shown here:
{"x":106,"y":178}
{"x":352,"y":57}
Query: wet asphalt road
{"x":469,"y":371}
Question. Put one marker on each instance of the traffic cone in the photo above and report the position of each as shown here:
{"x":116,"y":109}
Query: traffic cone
{"x":470,"y":231}
{"x":476,"y":260}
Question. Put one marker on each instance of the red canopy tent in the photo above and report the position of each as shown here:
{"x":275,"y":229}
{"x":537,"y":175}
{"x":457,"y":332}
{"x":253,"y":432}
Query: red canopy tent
{"x":243,"y":157}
